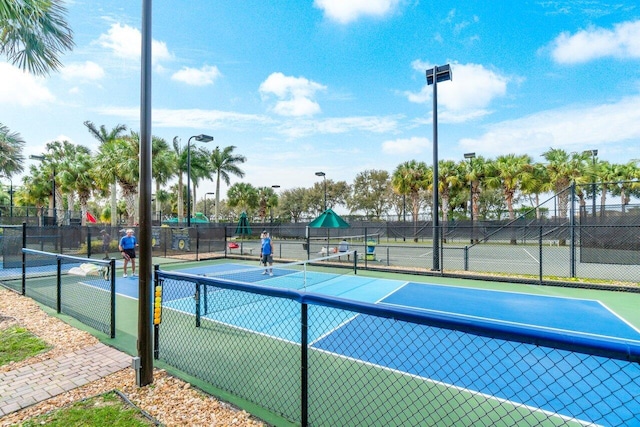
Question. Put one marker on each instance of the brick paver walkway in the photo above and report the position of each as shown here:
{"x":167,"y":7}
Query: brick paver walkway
{"x":40,"y":381}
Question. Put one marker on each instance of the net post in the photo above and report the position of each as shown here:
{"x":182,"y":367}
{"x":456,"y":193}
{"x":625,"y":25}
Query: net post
{"x":355,"y":262}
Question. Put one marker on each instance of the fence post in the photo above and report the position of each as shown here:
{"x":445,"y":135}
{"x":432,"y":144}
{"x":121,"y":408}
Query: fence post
{"x":466,"y":258}
{"x":58,"y":284}
{"x":304,"y":365}
{"x":24,"y":259}
{"x":88,"y":242}
{"x":197,"y":297}
{"x":540,"y":252}
{"x":572,"y":231}
{"x":112,"y":268}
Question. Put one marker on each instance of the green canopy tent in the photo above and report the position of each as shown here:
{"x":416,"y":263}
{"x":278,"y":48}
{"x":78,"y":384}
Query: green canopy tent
{"x":327,"y":219}
{"x":243,"y":228}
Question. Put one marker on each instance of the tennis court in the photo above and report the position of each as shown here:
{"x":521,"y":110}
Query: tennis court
{"x":439,"y":357}
{"x":427,"y":355}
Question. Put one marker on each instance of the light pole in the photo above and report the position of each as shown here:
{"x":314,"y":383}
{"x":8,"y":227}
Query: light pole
{"x":53,"y":185}
{"x":594,"y":154}
{"x":470,"y":156}
{"x":324,"y":177}
{"x":435,"y":76}
{"x":274,"y":187}
{"x":201,"y":138}
{"x":205,"y":202}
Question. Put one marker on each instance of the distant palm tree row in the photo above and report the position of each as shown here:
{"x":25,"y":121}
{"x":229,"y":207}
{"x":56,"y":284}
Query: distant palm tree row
{"x":492,"y":185}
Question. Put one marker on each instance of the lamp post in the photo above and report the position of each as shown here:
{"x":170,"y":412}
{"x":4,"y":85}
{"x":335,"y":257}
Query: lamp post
{"x":274,"y":187}
{"x":594,"y":154}
{"x":201,"y":138}
{"x":470,"y":156}
{"x":435,"y":76}
{"x":53,"y":185}
{"x":324,"y":177}
{"x":205,"y":202}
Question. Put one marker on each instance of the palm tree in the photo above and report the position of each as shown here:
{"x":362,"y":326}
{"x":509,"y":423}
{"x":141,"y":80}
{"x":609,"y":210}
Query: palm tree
{"x":34,"y":34}
{"x":225,"y":163}
{"x":107,"y":159}
{"x":163,"y":168}
{"x":11,"y":158}
{"x":564,"y":170}
{"x":243,"y":196}
{"x":535,"y":181}
{"x":412,"y":179}
{"x":507,"y":173}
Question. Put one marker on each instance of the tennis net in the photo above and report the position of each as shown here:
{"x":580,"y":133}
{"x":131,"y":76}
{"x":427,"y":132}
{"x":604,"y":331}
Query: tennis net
{"x":293,"y":275}
{"x":300,"y":275}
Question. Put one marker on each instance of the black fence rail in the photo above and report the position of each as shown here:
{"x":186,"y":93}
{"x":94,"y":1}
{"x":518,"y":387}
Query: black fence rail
{"x":81,"y":288}
{"x":317,"y":360}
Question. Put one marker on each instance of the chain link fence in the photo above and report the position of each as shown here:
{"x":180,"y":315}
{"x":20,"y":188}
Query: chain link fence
{"x":317,"y":360}
{"x":81,"y":288}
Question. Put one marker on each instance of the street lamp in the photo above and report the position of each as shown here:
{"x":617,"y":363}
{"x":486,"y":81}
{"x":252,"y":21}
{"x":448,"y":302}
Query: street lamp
{"x":435,"y":76}
{"x":53,"y":185}
{"x":201,"y":138}
{"x":275,"y":187}
{"x":470,"y":156}
{"x":594,"y":154}
{"x":324,"y":177}
{"x":205,"y":202}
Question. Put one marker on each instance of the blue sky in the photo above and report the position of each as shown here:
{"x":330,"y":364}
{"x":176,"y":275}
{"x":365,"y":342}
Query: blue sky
{"x":339,"y":86}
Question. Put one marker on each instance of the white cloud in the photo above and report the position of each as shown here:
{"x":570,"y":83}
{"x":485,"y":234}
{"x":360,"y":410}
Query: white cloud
{"x":125,"y":42}
{"x":586,"y":45}
{"x":82,"y":71}
{"x":471,"y":89}
{"x":414,"y":145}
{"x":20,"y":88}
{"x":197,"y":77}
{"x":295,"y":94}
{"x":190,"y":118}
{"x":345,"y":12}
{"x":570,"y":128}
{"x":339,"y":125}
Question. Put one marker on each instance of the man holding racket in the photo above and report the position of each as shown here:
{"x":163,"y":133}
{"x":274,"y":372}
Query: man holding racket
{"x":266,"y":253}
{"x":127,"y":246}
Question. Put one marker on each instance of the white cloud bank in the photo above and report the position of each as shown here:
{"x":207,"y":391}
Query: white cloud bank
{"x":468,"y":95}
{"x":346,"y":11}
{"x":204,"y":76}
{"x":570,"y":128}
{"x":21,"y":88}
{"x":88,"y":70}
{"x":125,"y":42}
{"x":404,"y":146}
{"x":623,"y":41}
{"x":295,"y":94}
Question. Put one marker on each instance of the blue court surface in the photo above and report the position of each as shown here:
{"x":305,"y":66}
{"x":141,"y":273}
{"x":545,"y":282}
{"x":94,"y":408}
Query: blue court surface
{"x":469,"y":361}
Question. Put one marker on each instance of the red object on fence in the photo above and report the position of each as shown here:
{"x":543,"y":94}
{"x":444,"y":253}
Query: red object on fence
{"x":91,"y":218}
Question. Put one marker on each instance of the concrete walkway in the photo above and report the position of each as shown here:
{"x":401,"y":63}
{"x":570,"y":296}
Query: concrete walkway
{"x":40,"y":381}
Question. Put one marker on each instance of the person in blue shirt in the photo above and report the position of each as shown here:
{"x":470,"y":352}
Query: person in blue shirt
{"x":266,"y":253}
{"x":127,"y":246}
